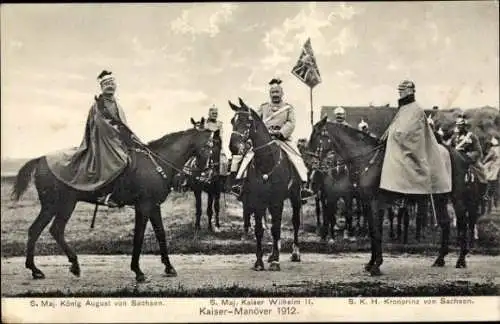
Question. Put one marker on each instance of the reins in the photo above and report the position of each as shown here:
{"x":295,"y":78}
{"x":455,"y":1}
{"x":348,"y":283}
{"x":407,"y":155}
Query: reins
{"x":350,"y":160}
{"x":245,"y":136}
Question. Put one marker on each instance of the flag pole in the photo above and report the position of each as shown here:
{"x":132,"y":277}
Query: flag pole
{"x":311,"y":100}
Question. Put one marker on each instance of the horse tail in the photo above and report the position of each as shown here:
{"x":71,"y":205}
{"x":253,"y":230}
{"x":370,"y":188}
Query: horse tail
{"x":23,"y":178}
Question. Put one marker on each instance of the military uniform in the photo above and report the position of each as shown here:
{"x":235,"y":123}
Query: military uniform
{"x":279,"y":118}
{"x":468,"y":144}
{"x":214,"y":125}
{"x":413,"y":161}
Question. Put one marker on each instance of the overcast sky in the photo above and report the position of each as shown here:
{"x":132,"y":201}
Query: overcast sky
{"x":173,"y":61}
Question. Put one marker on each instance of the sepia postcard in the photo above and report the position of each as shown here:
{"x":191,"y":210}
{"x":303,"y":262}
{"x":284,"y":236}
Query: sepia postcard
{"x":250,"y":162}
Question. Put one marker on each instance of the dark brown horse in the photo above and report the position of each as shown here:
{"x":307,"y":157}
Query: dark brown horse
{"x":271,"y":178}
{"x":332,"y":180}
{"x":145,"y":185}
{"x":204,"y":176}
{"x":365,"y":154}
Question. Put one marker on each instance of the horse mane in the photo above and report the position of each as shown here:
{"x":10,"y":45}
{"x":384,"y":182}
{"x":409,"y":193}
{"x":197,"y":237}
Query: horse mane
{"x":356,"y":133}
{"x":167,"y":139}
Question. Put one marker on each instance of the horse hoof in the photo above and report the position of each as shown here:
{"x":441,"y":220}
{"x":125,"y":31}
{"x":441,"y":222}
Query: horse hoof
{"x":37,"y":275}
{"x":275,"y":266}
{"x":272,"y":258}
{"x":375,"y":272}
{"x":368,"y":267}
{"x":295,"y":257}
{"x":140,"y":278}
{"x":259,"y":266}
{"x":217,"y":229}
{"x":438,"y":263}
{"x":75,"y":269}
{"x":170,"y":272}
{"x":461,"y":265}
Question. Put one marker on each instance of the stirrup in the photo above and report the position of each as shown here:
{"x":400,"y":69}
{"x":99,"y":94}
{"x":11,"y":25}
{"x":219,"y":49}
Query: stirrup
{"x":236,"y":190}
{"x":107,"y":201}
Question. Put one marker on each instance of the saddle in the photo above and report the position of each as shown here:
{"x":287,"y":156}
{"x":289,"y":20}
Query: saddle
{"x":191,"y":170}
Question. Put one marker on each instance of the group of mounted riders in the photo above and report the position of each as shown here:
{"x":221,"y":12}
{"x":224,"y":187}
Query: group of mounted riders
{"x":102,"y":155}
{"x":113,"y":167}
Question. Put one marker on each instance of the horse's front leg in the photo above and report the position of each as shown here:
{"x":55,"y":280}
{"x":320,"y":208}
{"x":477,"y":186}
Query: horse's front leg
{"x":370,"y":215}
{"x":276,"y":212}
{"x":461,"y":217}
{"x":57,"y":228}
{"x":197,"y":196}
{"x":473,"y":213}
{"x":332,"y":217}
{"x":296,"y":205}
{"x":259,"y":233}
{"x":318,"y":214}
{"x":142,"y":212}
{"x":43,"y":219}
{"x":390,"y":216}
{"x":210,"y":212}
{"x":217,"y":210}
{"x":157,"y":223}
{"x":377,"y":242}
{"x":444,"y":222}
{"x":247,"y":213}
{"x":349,"y":219}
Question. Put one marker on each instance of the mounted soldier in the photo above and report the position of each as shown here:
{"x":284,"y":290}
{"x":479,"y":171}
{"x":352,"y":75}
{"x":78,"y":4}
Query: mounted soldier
{"x":413,"y":162}
{"x":103,"y":153}
{"x":492,"y":166}
{"x":467,"y":143}
{"x":213,"y":124}
{"x":340,"y":116}
{"x":279,"y":118}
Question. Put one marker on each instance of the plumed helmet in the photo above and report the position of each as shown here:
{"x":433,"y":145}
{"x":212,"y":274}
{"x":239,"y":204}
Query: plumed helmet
{"x":105,"y":75}
{"x":339,"y":111}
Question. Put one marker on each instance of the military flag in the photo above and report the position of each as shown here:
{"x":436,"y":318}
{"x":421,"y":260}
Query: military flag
{"x":306,"y":69}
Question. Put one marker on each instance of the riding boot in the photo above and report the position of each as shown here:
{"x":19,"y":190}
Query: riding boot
{"x":107,"y":201}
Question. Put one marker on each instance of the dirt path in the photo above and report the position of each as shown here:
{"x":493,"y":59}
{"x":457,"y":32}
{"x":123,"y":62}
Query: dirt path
{"x":111,"y":273}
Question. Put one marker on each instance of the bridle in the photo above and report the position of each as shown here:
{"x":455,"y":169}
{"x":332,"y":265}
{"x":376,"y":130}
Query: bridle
{"x":245,"y":136}
{"x":211,"y":167}
{"x":327,"y":166}
{"x":155,"y":158}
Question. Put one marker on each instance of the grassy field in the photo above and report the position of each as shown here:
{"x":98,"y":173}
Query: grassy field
{"x":113,"y":231}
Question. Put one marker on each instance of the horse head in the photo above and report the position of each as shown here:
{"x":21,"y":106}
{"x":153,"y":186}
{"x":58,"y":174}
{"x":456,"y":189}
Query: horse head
{"x":198,"y":124}
{"x":319,"y":143}
{"x":207,"y":155}
{"x":248,"y":129}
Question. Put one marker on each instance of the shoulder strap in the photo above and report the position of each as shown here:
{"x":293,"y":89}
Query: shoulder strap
{"x":277,"y":112}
